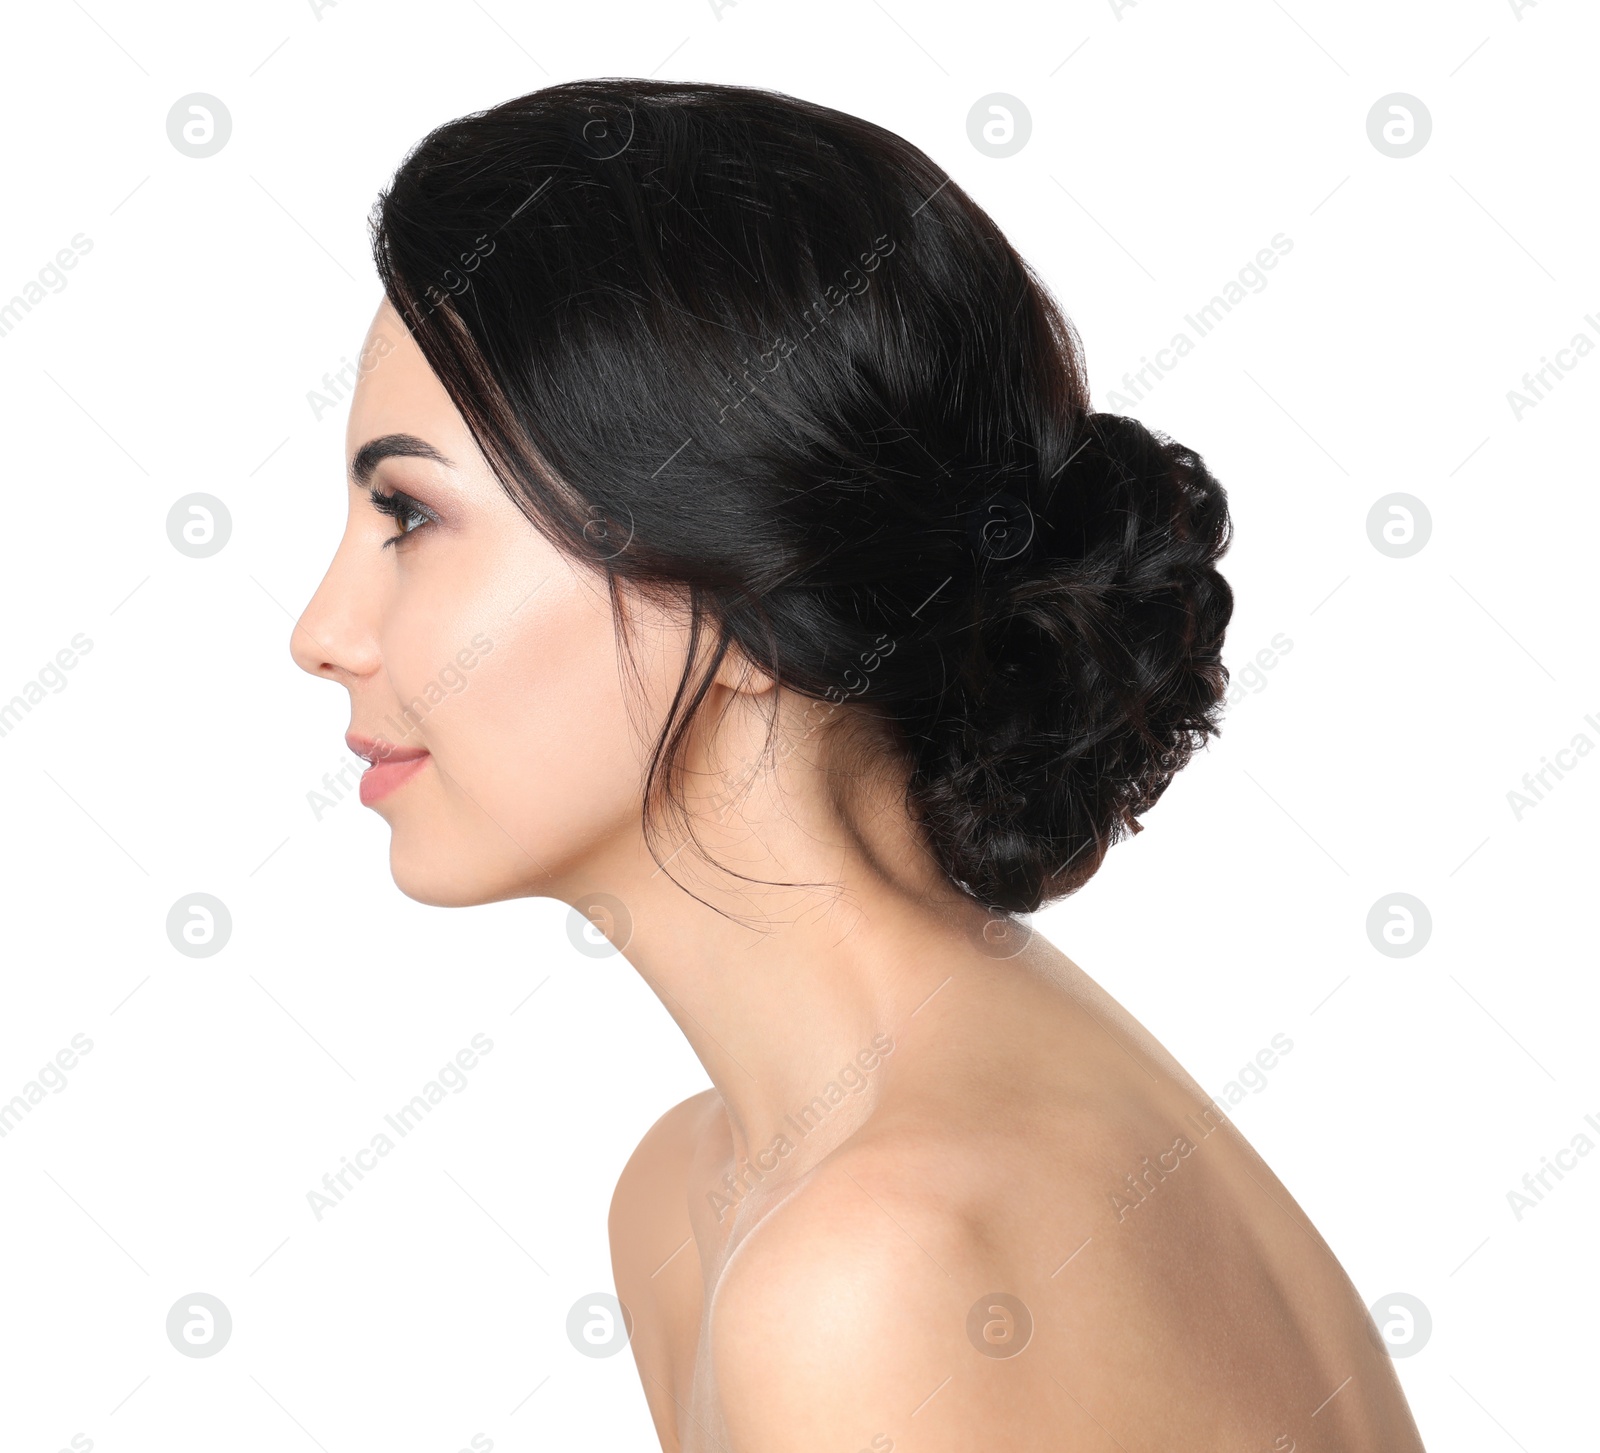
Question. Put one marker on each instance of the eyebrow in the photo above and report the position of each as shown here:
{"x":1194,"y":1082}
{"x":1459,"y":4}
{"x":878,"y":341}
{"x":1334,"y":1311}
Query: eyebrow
{"x":369,"y":454}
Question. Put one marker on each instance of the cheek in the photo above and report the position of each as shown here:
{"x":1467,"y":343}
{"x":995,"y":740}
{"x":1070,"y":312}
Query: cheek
{"x":539,"y":734}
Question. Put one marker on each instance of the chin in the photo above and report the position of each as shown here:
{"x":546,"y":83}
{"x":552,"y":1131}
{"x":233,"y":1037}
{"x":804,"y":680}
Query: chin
{"x":442,"y":879}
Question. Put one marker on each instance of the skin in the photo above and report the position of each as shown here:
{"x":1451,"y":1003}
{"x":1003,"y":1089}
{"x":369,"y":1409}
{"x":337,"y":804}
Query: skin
{"x":807,"y":1286}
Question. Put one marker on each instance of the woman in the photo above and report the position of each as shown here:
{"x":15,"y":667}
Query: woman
{"x":748,"y":571}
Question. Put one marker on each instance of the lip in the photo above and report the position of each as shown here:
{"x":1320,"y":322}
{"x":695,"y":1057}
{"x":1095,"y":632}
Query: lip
{"x":391,"y":765}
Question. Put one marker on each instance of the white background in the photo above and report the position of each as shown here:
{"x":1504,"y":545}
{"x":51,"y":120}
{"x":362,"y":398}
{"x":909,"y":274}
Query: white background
{"x":1170,"y":142}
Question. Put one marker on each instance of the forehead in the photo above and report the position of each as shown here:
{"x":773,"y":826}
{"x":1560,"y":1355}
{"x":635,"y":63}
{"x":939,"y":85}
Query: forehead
{"x":396,"y":392}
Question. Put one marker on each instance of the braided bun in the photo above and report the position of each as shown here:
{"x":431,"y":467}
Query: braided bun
{"x":1094,"y":678}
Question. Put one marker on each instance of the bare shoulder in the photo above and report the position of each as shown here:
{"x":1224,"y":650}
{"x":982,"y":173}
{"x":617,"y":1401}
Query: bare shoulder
{"x":649,"y":1216}
{"x":868,"y":1310}
{"x":970,"y":1280}
{"x":663,"y":1152}
{"x":654,"y":1266}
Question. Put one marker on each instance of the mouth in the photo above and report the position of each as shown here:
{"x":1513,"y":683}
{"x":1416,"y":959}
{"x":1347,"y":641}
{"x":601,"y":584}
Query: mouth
{"x":391,"y":765}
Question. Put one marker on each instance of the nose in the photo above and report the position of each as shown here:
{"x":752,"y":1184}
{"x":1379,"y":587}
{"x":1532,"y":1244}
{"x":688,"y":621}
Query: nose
{"x":336,"y":635}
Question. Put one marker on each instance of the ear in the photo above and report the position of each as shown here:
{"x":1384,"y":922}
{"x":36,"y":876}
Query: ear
{"x":741,"y":675}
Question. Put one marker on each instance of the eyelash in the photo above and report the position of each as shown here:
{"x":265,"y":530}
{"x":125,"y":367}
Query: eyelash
{"x":400,"y":507}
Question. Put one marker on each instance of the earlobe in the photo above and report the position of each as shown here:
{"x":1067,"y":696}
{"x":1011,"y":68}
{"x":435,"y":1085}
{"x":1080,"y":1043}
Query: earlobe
{"x":738,"y":673}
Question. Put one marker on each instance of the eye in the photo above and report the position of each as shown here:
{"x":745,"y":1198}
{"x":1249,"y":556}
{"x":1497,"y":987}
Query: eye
{"x":410,"y":514}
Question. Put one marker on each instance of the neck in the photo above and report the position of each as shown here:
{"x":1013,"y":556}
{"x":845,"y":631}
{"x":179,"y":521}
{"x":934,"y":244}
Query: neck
{"x":795,"y":950}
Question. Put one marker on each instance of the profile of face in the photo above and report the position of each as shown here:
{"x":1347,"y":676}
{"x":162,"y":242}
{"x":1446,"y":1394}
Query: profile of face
{"x":483,"y":664}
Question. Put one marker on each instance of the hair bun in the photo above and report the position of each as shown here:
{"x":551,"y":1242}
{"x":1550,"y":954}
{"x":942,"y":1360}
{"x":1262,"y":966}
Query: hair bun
{"x":1096,"y":677}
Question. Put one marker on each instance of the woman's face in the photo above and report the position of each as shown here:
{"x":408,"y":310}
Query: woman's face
{"x":482,"y":664}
